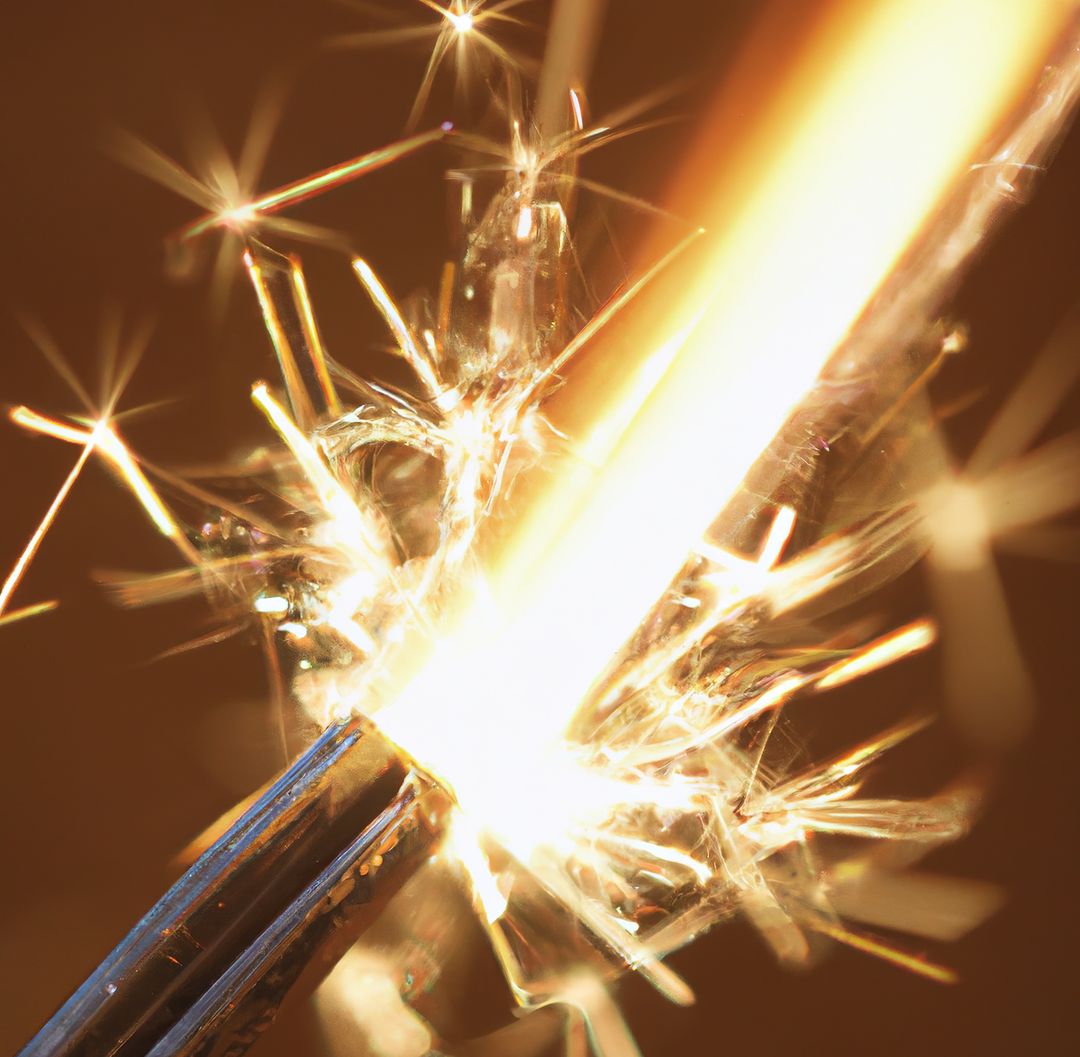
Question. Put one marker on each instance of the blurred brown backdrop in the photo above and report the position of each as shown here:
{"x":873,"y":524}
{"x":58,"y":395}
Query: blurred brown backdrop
{"x":112,"y":761}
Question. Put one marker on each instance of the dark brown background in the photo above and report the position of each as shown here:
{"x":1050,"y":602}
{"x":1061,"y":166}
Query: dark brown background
{"x":112,"y":761}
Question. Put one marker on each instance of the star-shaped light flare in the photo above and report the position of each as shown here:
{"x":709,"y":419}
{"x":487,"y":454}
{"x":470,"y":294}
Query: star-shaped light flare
{"x":462,"y":31}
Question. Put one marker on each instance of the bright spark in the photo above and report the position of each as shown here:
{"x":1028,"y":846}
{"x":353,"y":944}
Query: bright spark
{"x":884,"y":651}
{"x":22,"y":416}
{"x":463,"y":30}
{"x":103,"y":438}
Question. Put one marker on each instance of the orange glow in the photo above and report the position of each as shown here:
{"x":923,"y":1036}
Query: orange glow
{"x":575,"y":105}
{"x":878,"y":654}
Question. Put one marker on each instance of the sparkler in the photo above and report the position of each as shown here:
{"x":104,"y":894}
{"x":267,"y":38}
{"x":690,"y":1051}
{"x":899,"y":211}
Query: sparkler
{"x":613,"y":642}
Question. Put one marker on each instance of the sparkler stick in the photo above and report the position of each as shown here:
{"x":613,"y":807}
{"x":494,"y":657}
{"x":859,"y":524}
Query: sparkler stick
{"x":655,"y":444}
{"x":329,"y":841}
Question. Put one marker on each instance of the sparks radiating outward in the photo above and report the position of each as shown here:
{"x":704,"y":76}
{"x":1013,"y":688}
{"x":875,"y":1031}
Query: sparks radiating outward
{"x":590,"y":636}
{"x":463,"y":31}
{"x":94,"y":432}
{"x":227,"y":189}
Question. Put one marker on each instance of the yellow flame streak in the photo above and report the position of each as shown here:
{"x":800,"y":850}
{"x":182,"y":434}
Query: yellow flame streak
{"x":662,"y":852}
{"x":931,"y":970}
{"x":606,"y":434}
{"x":300,"y":190}
{"x":50,"y":427}
{"x":783,"y":524}
{"x":23,"y":417}
{"x":410,"y":350}
{"x":26,"y":612}
{"x":352,"y":530}
{"x":889,"y":649}
{"x":575,"y":106}
{"x":290,"y":370}
{"x":104,"y":439}
{"x":832,"y":779}
{"x":314,"y":339}
{"x":738,"y":581}
{"x":743,"y":578}
{"x":775,"y":696}
{"x":462,"y":843}
{"x":874,"y":129}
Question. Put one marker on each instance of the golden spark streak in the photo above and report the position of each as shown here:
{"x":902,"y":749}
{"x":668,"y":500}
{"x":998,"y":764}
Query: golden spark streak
{"x":832,"y":179}
{"x":463,"y":845}
{"x":410,"y":350}
{"x":575,"y":106}
{"x":659,"y":851}
{"x":26,"y":612}
{"x":309,"y":186}
{"x":104,"y":439}
{"x":911,"y":962}
{"x":772,"y":698}
{"x":290,"y":369}
{"x":117,"y":453}
{"x":352,"y":530}
{"x":49,"y":427}
{"x":887,"y":650}
{"x":779,"y":533}
{"x":21,"y":416}
{"x":314,"y":340}
{"x":871,"y":132}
